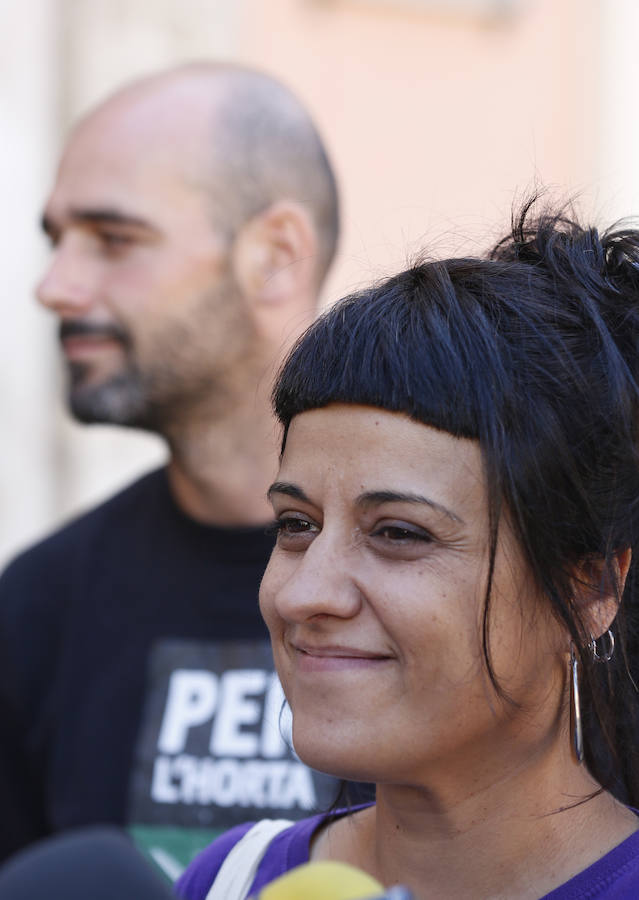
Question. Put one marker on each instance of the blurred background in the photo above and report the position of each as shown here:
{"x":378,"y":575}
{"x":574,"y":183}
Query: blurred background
{"x":436,"y":112}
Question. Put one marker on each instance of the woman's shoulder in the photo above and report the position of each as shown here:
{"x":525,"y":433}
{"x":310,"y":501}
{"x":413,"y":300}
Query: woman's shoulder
{"x":613,"y":877}
{"x":195,"y":882}
{"x":288,"y":845}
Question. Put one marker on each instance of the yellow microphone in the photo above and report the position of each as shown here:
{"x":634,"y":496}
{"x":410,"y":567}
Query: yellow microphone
{"x":329,"y":881}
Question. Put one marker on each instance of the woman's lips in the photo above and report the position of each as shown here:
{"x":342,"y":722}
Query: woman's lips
{"x":334,"y":659}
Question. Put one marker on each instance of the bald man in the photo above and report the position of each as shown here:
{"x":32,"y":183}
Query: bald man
{"x":192,"y":220}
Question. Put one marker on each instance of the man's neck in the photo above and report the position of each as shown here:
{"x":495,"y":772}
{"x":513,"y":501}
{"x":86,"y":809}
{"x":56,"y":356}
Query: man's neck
{"x":219,"y":471}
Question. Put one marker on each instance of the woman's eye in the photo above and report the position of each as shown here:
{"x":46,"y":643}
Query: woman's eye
{"x":293,"y":531}
{"x":399,"y":534}
{"x":293,"y":526}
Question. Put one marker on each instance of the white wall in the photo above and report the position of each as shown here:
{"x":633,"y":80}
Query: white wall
{"x":28,"y":102}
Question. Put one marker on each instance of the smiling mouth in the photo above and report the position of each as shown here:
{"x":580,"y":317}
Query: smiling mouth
{"x":338,"y":652}
{"x":325,"y":659}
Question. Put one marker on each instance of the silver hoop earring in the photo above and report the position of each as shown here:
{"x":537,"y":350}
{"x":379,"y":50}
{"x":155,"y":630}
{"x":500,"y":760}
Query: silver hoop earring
{"x":577,"y":731}
{"x":607,"y":655}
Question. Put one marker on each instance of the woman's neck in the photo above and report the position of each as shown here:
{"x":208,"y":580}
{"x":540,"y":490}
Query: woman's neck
{"x":512,"y":838}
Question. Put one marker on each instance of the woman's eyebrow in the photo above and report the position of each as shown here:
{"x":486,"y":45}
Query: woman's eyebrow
{"x":369,"y":498}
{"x":373,"y":498}
{"x":291,"y":490}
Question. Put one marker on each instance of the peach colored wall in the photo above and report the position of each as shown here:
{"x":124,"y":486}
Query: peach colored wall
{"x":435,"y":121}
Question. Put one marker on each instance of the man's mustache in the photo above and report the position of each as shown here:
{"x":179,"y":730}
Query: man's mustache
{"x":79,"y":328}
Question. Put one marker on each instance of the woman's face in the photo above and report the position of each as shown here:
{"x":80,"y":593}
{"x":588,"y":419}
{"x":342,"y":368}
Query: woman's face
{"x":374,"y":599}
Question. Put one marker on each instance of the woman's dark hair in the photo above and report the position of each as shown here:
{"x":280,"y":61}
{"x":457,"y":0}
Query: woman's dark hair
{"x":532,"y":350}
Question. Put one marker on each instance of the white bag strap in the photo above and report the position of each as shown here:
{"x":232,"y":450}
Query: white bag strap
{"x":235,"y":875}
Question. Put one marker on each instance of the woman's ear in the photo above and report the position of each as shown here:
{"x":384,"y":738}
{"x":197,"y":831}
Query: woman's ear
{"x":598,"y":590}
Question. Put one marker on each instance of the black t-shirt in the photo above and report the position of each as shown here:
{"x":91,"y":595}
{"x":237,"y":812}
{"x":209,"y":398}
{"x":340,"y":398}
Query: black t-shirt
{"x":136,"y":682}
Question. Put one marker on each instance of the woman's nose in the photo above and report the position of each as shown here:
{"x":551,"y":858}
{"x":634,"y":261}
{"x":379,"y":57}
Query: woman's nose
{"x":321,"y":581}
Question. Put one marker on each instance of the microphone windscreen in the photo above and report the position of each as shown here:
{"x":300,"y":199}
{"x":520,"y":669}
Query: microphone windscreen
{"x":324,"y":880}
{"x":96,"y":863}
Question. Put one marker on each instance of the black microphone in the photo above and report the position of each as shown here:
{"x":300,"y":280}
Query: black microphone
{"x":95,"y":863}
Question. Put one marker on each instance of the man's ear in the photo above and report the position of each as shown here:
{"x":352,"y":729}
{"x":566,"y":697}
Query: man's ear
{"x":275,"y":257}
{"x":597,"y":590}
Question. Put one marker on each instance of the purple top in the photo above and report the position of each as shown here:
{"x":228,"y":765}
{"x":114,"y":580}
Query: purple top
{"x":288,"y":849}
{"x":613,"y":877}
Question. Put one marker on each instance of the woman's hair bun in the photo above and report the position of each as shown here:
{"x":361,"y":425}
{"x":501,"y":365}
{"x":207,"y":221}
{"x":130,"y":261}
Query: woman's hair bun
{"x":598,"y":270}
{"x":621,"y":251}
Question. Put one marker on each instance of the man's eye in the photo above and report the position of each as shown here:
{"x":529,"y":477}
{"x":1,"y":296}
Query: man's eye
{"x":110,"y":239}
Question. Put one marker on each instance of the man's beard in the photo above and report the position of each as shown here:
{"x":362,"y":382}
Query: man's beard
{"x":187,"y":366}
{"x":160,"y":396}
{"x":154,"y":401}
{"x":119,"y":400}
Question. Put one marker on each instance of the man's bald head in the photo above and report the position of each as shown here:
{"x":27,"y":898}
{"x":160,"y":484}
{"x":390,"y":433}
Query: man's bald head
{"x":243,"y":137}
{"x":193,"y":218}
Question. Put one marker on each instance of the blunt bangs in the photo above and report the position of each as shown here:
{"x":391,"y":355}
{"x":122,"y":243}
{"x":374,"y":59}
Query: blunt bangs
{"x":423,"y":343}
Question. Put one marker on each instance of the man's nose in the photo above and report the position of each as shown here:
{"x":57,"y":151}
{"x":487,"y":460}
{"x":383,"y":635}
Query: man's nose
{"x":68,"y":286}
